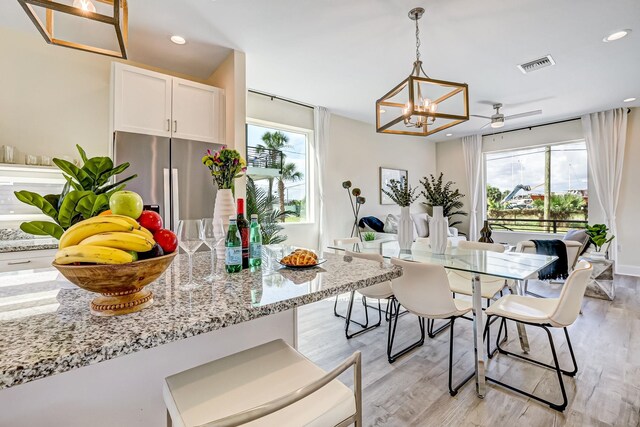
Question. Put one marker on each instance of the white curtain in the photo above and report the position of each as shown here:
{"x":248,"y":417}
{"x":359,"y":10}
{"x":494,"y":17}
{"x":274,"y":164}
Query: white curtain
{"x":322,"y":119}
{"x":605,"y":134}
{"x":472,"y":150}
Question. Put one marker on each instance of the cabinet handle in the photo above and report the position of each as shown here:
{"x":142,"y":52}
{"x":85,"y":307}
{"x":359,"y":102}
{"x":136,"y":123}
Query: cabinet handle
{"x":168,"y":125}
{"x":175,"y":126}
{"x":19,"y":262}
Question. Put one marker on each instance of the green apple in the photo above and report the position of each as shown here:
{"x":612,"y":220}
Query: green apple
{"x":126,"y":203}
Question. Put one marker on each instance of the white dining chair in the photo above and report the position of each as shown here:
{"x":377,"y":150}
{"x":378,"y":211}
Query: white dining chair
{"x":544,"y":313}
{"x":268,"y":385}
{"x":423,"y":290}
{"x":378,"y":292}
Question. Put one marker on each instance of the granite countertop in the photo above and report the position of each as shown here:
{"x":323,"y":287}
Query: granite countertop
{"x":60,"y":334}
{"x":17,"y":240}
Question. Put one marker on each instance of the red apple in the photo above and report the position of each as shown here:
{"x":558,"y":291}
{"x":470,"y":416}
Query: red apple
{"x":150,"y":220}
{"x":167,"y":240}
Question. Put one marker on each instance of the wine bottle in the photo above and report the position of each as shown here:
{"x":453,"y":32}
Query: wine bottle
{"x":233,"y":248}
{"x":255,"y":243}
{"x":243,"y":228}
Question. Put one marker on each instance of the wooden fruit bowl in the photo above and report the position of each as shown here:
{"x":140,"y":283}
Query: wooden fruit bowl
{"x":121,"y":285}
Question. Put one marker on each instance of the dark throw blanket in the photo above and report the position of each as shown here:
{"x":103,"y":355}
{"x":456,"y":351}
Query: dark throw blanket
{"x":559,"y":269}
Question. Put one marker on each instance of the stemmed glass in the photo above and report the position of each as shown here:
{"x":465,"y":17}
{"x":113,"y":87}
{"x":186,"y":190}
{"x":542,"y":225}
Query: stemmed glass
{"x":213,"y":235}
{"x":190,"y":236}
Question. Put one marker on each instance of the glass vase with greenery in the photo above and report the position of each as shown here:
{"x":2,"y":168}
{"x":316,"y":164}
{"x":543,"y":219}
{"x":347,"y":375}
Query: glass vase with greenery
{"x":85,"y":194}
{"x":438,"y":193}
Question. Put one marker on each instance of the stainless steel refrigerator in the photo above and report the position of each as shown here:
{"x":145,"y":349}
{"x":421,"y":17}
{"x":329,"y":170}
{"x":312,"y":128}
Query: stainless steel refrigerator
{"x":170,"y":174}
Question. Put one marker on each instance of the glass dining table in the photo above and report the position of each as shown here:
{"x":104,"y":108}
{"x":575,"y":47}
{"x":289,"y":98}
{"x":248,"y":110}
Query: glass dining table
{"x":514,"y":266}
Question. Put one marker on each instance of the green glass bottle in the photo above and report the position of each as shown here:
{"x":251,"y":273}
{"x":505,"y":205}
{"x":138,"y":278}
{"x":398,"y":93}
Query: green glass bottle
{"x":233,"y":248}
{"x":255,"y":243}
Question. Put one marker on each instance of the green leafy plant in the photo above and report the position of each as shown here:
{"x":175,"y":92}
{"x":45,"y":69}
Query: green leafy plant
{"x":598,"y":236}
{"x":85,"y":194}
{"x":401,"y":192}
{"x":438,"y":193}
{"x":259,"y":202}
{"x":369,"y":236}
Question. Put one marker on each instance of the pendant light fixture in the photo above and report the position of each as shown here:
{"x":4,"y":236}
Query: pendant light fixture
{"x":420,"y":105}
{"x":117,"y":16}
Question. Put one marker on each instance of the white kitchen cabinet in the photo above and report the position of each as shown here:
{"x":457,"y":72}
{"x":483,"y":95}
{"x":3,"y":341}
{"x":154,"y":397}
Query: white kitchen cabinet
{"x":197,"y":111}
{"x":141,"y":101}
{"x":152,"y":103}
{"x":25,"y":260}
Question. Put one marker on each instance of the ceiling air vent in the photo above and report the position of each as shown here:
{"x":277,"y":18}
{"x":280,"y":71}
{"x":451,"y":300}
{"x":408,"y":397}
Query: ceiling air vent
{"x":536,"y":64}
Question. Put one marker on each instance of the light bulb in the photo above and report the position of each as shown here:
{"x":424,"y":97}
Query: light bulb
{"x":497,"y":124}
{"x":433,"y":107}
{"x":85,"y":5}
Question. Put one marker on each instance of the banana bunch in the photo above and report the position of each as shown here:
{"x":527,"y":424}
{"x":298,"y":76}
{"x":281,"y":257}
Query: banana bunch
{"x":107,"y":239}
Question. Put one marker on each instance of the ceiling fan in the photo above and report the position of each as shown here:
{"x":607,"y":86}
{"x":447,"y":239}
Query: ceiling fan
{"x":497,"y":120}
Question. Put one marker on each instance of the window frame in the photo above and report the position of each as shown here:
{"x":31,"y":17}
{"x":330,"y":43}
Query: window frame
{"x":309,"y":163}
{"x":524,"y":147}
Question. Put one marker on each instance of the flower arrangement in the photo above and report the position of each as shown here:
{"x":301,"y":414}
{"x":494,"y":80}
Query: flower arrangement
{"x":225,"y":166}
{"x":401,"y":192}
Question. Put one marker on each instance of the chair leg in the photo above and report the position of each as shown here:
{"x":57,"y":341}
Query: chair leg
{"x":431,"y":324}
{"x":335,"y":310}
{"x":395,"y":309}
{"x":556,"y":367}
{"x":573,"y":356}
{"x":366,"y":326}
{"x":454,"y":390}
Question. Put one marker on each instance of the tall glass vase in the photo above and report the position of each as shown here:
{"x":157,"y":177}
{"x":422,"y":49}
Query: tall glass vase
{"x":405,"y":228}
{"x":225,"y":206}
{"x":438,"y":231}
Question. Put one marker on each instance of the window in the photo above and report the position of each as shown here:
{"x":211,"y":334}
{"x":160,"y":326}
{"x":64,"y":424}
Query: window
{"x":519,"y":182}
{"x":278,"y":162}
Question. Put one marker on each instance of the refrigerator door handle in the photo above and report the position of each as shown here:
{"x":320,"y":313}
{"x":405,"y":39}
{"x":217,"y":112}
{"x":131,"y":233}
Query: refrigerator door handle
{"x":167,"y":197}
{"x":176,"y":198}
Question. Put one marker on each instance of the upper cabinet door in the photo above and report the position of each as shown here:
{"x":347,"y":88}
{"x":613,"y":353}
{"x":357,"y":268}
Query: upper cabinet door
{"x":198,"y":111}
{"x":142,"y":101}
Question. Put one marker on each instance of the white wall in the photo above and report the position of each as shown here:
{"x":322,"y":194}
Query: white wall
{"x":628,"y":238}
{"x":54,"y":98}
{"x":355,"y":153}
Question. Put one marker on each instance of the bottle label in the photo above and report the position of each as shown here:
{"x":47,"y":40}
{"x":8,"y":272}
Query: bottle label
{"x":233,"y":255}
{"x":255,"y":250}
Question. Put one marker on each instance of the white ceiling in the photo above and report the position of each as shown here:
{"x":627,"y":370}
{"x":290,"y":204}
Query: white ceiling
{"x":346,"y":54}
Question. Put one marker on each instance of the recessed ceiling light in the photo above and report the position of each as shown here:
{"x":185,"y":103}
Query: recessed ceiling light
{"x":616,"y":35}
{"x":449,"y":134}
{"x":628,"y":100}
{"x":178,"y":40}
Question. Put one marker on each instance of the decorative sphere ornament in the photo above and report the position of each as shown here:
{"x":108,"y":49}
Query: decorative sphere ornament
{"x":346,"y":184}
{"x":356,"y":192}
{"x":360,"y":200}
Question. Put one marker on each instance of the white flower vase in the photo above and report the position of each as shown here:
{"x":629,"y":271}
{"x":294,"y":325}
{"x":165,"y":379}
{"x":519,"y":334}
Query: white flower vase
{"x":438,"y":231}
{"x":405,"y":229}
{"x":225,"y":207}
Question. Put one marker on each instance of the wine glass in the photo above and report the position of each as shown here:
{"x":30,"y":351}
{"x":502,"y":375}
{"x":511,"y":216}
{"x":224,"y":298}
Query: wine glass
{"x":213,"y":235}
{"x":190,"y":236}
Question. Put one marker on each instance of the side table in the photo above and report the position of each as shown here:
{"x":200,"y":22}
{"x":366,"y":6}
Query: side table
{"x":601,"y":281}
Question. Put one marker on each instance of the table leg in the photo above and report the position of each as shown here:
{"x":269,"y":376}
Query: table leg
{"x":478,"y":330}
{"x":522,"y":332}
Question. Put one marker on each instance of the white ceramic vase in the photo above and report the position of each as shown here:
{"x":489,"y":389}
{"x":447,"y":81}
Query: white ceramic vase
{"x":405,"y":228}
{"x":225,"y":207}
{"x":438,"y":231}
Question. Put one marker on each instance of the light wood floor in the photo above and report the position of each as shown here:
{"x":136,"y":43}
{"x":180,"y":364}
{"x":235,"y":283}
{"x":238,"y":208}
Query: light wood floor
{"x":413,"y":391}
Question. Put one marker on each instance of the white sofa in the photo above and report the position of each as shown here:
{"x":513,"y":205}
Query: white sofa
{"x":420,"y":228}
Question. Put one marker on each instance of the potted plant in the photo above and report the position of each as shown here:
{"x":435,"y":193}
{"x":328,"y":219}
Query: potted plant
{"x":403,"y":195}
{"x":368,"y":239}
{"x":225,"y":165}
{"x":438,"y":193}
{"x":598,"y":237}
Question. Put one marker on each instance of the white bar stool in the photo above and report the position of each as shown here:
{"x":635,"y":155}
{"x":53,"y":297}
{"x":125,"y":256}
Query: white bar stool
{"x":268,"y":385}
